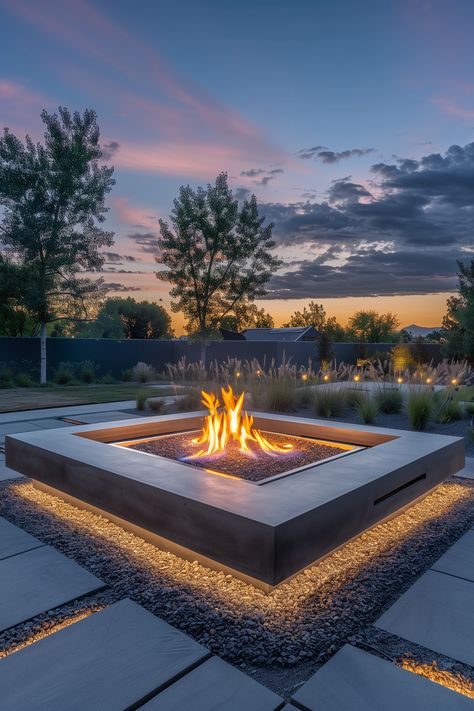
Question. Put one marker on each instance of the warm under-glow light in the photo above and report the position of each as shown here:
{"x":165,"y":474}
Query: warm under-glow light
{"x":399,"y":380}
{"x":428,"y":380}
{"x":356,"y":378}
{"x":326,"y":377}
{"x":304,"y":377}
{"x":454,"y":381}
{"x":237,"y":375}
{"x":230,"y":422}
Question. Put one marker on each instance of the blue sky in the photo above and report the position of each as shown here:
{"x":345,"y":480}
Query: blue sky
{"x":297,"y":102}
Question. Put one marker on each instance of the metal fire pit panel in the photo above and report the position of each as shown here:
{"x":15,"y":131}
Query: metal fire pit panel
{"x":262,"y":533}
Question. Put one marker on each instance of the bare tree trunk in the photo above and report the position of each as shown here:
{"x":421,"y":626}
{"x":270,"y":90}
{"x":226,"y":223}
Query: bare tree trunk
{"x":43,"y":354}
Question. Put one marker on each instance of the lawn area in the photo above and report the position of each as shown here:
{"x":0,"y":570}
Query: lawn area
{"x":15,"y":399}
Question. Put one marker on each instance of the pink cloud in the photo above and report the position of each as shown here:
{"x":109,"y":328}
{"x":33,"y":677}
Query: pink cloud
{"x":450,"y":107}
{"x":170,"y":100}
{"x":199,"y":160}
{"x":136,"y":216}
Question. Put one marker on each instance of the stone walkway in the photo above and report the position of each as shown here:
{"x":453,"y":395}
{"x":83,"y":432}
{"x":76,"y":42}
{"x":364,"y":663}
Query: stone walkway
{"x":124,"y":657}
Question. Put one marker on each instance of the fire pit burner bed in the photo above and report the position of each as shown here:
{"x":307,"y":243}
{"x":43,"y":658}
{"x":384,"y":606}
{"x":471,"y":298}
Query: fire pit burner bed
{"x":254,"y":467}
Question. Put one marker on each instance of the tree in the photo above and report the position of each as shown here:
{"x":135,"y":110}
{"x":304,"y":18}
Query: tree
{"x":247,"y":315}
{"x":313,"y":315}
{"x":14,"y":318}
{"x":216,"y":254}
{"x":333,"y":330}
{"x":458,"y":323}
{"x":52,"y":196}
{"x":372,"y":327}
{"x":128,"y":318}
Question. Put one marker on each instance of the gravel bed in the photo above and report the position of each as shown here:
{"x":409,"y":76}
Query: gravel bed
{"x":256,"y":466}
{"x":300,"y":624}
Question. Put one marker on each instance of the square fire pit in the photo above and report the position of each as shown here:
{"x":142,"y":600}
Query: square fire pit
{"x":263,"y":520}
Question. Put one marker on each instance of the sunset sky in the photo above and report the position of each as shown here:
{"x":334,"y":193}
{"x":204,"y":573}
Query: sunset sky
{"x":352,"y":122}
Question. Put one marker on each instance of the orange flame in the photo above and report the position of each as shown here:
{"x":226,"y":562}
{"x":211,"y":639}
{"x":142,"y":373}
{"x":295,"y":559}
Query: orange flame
{"x":230,"y":423}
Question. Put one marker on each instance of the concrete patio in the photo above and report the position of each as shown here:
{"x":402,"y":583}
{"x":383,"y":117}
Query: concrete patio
{"x":124,"y":657}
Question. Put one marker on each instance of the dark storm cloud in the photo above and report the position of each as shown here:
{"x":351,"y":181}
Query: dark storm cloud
{"x":420,"y":211}
{"x":116,"y":258}
{"x":110,"y":149}
{"x":345,"y":190}
{"x":147,"y":241}
{"x":123,"y":271}
{"x":117,"y":286}
{"x":372,"y":273}
{"x":254,"y":172}
{"x":326,"y":156}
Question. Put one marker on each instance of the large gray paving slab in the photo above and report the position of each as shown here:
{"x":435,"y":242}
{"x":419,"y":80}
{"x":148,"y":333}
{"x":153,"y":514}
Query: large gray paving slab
{"x":93,"y":418}
{"x":459,"y":559}
{"x":49,"y":423}
{"x":354,"y":680}
{"x":17,"y":428}
{"x":7,"y":473}
{"x":107,"y":662}
{"x":36,"y":414}
{"x":468,"y":471}
{"x":213,"y":686}
{"x":437,"y":612}
{"x":38,"y":580}
{"x":14,"y":540}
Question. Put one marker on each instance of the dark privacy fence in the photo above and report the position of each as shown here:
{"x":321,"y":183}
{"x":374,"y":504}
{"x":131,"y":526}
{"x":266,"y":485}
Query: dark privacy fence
{"x":114,"y":356}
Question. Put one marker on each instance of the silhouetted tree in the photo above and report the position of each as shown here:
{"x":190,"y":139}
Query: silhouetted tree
{"x":215,"y":254}
{"x":128,"y":318}
{"x":372,"y":327}
{"x":52,"y":195}
{"x":458,"y":323}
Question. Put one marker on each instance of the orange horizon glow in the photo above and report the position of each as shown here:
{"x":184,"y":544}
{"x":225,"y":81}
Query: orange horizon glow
{"x":423,"y":310}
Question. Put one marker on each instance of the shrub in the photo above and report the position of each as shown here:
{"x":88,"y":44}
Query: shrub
{"x":303,"y":396}
{"x":127,"y":375}
{"x":280,"y":395}
{"x":450,"y":410}
{"x":107,"y":379}
{"x":87,"y":371}
{"x":142,"y":396}
{"x":190,"y":401}
{"x":329,"y":401}
{"x":256,"y":387}
{"x":157,"y":404}
{"x":354,"y":397}
{"x":143,"y":372}
{"x":24,"y":380}
{"x":6,"y":379}
{"x":469,"y":408}
{"x":64,"y":375}
{"x":420,"y":408}
{"x":367,"y":408}
{"x":389,"y":400}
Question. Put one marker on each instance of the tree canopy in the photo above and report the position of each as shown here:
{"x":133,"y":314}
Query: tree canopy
{"x":315,"y":315}
{"x":458,"y":323}
{"x":372,"y":327}
{"x":128,"y":318}
{"x":215,"y":254}
{"x":53,"y":200}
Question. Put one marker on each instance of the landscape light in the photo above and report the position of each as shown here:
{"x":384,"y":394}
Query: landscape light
{"x":399,"y":380}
